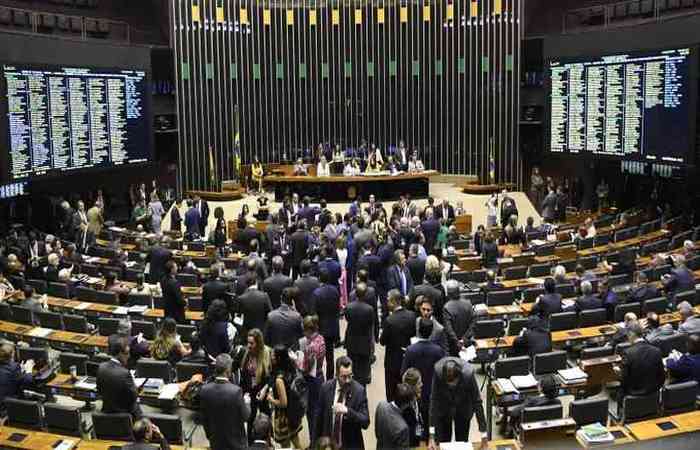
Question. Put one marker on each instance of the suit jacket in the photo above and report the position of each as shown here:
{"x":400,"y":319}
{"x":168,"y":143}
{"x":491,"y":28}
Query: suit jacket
{"x":489,"y":254}
{"x":447,"y":213}
{"x":157,"y":257}
{"x":533,"y":342}
{"x":214,"y":290}
{"x":306,"y":285}
{"x":457,"y":317}
{"x":356,"y":419}
{"x":274,"y":285}
{"x":371,"y":300}
{"x":393,"y":279}
{"x":549,"y":206}
{"x":84,"y":240}
{"x":12,"y":381}
{"x":390,"y":428}
{"x":203,"y":209}
{"x":431,"y":292}
{"x":173,"y":301}
{"x":399,"y":328}
{"x":359,"y":334}
{"x":643,"y":292}
{"x":430,"y":231}
{"x":326,"y":299}
{"x":417,"y":268}
{"x":175,"y":219}
{"x":284,"y":326}
{"x":547,"y":305}
{"x":681,"y":280}
{"x":192,"y":221}
{"x":95,"y":220}
{"x":463,"y":400}
{"x":333,"y":268}
{"x":115,"y":386}
{"x":299,"y":243}
{"x":685,"y":368}
{"x":438,"y":336}
{"x":254,"y":305}
{"x":224,"y":413}
{"x":423,"y":355}
{"x":642,"y":358}
{"x":585,"y":302}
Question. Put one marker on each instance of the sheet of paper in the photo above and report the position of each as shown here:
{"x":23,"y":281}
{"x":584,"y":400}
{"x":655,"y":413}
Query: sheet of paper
{"x":456,"y":446}
{"x":83,"y":306}
{"x":523,"y":381}
{"x":40,"y":332}
{"x":121,"y":310}
{"x":169,"y":392}
{"x":468,"y":353}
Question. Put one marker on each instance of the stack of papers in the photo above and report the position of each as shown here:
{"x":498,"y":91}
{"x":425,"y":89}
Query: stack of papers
{"x":121,"y":310}
{"x":468,"y":353}
{"x":139,"y":309}
{"x":82,"y":306}
{"x":169,"y":392}
{"x":456,"y":446}
{"x":86,"y":383}
{"x":573,"y":375}
{"x":524,"y":381}
{"x":595,"y":434}
{"x":535,"y":280}
{"x":40,"y":332}
{"x":537,"y":242}
{"x":506,"y":385}
{"x":153,"y":385}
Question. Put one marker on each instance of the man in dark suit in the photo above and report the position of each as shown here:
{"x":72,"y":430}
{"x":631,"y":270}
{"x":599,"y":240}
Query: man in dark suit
{"x":307,"y":285}
{"x":342,"y":412}
{"x":398,"y":275}
{"x":157,"y":257}
{"x":587,"y":300}
{"x":174,"y":302}
{"x":369,"y":296}
{"x":643,"y":290}
{"x":445,"y":211}
{"x":423,"y":355}
{"x":534,"y":339}
{"x":642,"y":371}
{"x":369,"y":261}
{"x":115,"y":385}
{"x":430,"y":228}
{"x":455,"y":397}
{"x":284,"y":324}
{"x":679,"y":280}
{"x":686,"y":367}
{"x":224,"y":408}
{"x":277,"y":282}
{"x":13,"y":380}
{"x":359,"y":334}
{"x":330,"y":265}
{"x":215,"y":288}
{"x":416,"y":264}
{"x":145,"y":434}
{"x":399,"y":328}
{"x":193,"y":218}
{"x":299,"y":247}
{"x":255,"y":305}
{"x":203,"y":208}
{"x":549,"y":302}
{"x":425,"y":311}
{"x":457,"y":315}
{"x":390,"y":427}
{"x":326,"y":299}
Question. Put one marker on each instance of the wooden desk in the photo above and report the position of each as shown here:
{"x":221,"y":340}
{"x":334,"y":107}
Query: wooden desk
{"x":546,"y":427}
{"x":688,"y":421}
{"x":649,"y":429}
{"x":95,"y":444}
{"x":342,"y":189}
{"x":600,"y":370}
{"x":34,"y":440}
{"x":24,"y":332}
{"x":99,"y":309}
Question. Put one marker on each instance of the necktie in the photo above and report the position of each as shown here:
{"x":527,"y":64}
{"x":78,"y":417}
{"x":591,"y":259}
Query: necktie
{"x":338,"y":421}
{"x":403,"y":281}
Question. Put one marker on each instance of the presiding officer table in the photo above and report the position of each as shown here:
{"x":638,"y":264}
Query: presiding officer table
{"x":340,"y":188}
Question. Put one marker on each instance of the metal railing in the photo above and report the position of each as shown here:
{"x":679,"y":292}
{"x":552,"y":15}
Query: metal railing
{"x":63,"y":25}
{"x":626,"y":13}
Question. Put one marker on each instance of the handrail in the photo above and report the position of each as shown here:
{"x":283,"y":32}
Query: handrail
{"x":604,"y":16}
{"x":34,"y":18}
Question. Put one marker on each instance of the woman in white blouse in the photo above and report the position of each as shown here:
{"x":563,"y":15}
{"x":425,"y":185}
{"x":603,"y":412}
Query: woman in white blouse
{"x":323,"y":169}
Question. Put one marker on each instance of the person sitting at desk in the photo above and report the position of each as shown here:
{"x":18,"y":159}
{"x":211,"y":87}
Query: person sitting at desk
{"x":323,"y":169}
{"x":587,"y":300}
{"x":654,"y":330}
{"x":549,"y":302}
{"x":300,"y":168}
{"x":256,"y":172}
{"x":686,"y":367}
{"x":642,"y":289}
{"x":491,"y":283}
{"x":373,"y":165}
{"x":680,"y":279}
{"x":144,"y":431}
{"x":642,"y":370}
{"x":550,"y":391}
{"x":13,"y":379}
{"x":534,"y":339}
{"x":391,"y":166}
{"x":690,"y":323}
{"x":352,"y":168}
{"x":415,"y":165}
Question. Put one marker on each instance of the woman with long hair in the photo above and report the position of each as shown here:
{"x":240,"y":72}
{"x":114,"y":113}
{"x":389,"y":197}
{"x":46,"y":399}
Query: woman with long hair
{"x":220,"y":230}
{"x":341,"y":251}
{"x":312,"y":349}
{"x":255,"y":374}
{"x":243,"y":217}
{"x":286,"y":407}
{"x":155,"y":209}
{"x":216,"y":332}
{"x":167,"y":345}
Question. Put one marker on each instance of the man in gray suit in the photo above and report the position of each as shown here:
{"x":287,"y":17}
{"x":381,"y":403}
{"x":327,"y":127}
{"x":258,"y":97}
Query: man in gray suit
{"x":224,"y":408}
{"x":457,"y":315}
{"x":425,"y":308}
{"x":284,"y":324}
{"x":359,"y":334}
{"x":390,"y":427}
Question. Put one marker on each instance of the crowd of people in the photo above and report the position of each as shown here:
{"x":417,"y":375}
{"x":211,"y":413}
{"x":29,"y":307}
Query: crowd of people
{"x":272,"y":324}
